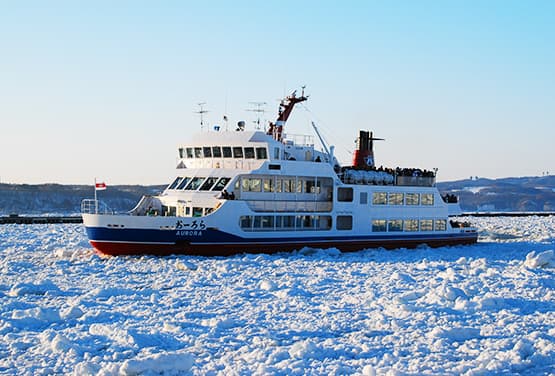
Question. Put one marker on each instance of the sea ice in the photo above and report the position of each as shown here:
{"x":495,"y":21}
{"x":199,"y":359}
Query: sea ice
{"x":482,"y":309}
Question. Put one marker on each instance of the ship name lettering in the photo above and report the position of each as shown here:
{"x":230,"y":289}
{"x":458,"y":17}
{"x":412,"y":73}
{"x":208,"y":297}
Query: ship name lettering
{"x":188,"y":233}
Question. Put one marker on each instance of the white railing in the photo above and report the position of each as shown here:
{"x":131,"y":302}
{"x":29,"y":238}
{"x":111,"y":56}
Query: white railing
{"x":91,"y":206}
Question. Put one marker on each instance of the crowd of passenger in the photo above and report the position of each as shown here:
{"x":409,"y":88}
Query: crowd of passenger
{"x":450,"y":199}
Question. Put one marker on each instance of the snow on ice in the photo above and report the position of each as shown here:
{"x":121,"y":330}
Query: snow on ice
{"x":483,"y":309}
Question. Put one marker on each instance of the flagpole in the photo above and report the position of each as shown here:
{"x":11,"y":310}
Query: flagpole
{"x":95,"y":200}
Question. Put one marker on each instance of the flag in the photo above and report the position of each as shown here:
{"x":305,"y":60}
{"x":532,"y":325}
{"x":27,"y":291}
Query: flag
{"x":100,"y":186}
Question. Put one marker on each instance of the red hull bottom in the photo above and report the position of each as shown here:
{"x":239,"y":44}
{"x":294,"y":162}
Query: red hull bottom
{"x":122,"y":248}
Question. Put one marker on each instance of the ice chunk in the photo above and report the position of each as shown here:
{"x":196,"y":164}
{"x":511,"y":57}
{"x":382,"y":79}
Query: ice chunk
{"x":544,"y":259}
{"x":158,"y":364}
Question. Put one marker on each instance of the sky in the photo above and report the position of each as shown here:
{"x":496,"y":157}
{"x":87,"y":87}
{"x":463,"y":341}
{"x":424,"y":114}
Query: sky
{"x":109,"y":89}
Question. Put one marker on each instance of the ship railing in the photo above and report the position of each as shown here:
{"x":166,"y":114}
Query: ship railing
{"x":289,"y":206}
{"x":299,"y":139}
{"x":416,"y":181}
{"x":91,"y":206}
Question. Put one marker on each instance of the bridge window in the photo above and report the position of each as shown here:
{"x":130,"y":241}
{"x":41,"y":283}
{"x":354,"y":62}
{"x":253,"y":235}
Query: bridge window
{"x":379,"y":198}
{"x":226,"y":151}
{"x":181,"y":153}
{"x":194,"y":184}
{"x":249,"y":153}
{"x":208,"y":184}
{"x":261,"y":153}
{"x":216,"y":151}
{"x":412,"y":199}
{"x":183,"y":183}
{"x":221,"y":184}
{"x":189,"y":152}
{"x":198,"y":152}
{"x":237,"y":152}
{"x":207,"y":151}
{"x":427,"y":199}
{"x":175,"y":183}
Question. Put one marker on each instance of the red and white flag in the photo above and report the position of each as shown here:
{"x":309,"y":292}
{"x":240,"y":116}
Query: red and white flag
{"x":100,"y":186}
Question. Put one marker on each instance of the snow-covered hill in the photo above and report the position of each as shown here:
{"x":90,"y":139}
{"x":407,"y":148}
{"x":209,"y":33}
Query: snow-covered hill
{"x":483,"y":309}
{"x":66,"y":199}
{"x":507,"y":194}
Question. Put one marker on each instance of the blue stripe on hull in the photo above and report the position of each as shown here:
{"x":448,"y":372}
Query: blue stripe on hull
{"x":213,"y":242}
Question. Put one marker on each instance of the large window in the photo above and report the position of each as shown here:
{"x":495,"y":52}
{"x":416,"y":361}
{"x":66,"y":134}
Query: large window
{"x":379,"y":198}
{"x":395,"y":198}
{"x":426,"y":225}
{"x":379,"y":225}
{"x":411,"y":224}
{"x":226,"y":150}
{"x":268,"y":184}
{"x":252,"y":185}
{"x":427,"y":199}
{"x":207,"y":152}
{"x":395,"y":225}
{"x":189,"y":152}
{"x":412,"y":199}
{"x":440,"y":225}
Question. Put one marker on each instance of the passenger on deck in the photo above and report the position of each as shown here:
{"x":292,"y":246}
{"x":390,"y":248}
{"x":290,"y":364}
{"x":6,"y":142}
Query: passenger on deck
{"x":231,"y":196}
{"x":225,"y":195}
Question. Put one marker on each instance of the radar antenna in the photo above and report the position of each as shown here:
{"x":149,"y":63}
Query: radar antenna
{"x":201,"y":112}
{"x":259,"y":110}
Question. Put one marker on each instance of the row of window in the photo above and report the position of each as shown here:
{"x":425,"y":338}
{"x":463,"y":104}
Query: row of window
{"x":285,"y":222}
{"x":395,"y":198}
{"x":201,"y":183}
{"x":283,"y":184}
{"x":344,"y":222}
{"x":345,"y":194}
{"x":223,"y":152}
{"x":396,"y":225}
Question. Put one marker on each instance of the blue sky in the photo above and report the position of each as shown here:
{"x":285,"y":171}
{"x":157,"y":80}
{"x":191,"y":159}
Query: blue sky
{"x":109,"y":89}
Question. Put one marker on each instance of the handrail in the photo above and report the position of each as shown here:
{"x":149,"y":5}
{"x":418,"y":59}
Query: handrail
{"x":92,"y":206}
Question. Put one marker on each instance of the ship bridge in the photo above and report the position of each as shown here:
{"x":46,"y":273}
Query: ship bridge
{"x":244,"y":150}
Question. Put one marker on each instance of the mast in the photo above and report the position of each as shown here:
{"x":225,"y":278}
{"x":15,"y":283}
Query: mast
{"x":285,"y":107}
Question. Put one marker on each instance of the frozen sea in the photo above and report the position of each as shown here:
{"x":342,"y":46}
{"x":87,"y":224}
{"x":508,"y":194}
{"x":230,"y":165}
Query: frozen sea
{"x":472,"y":310}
